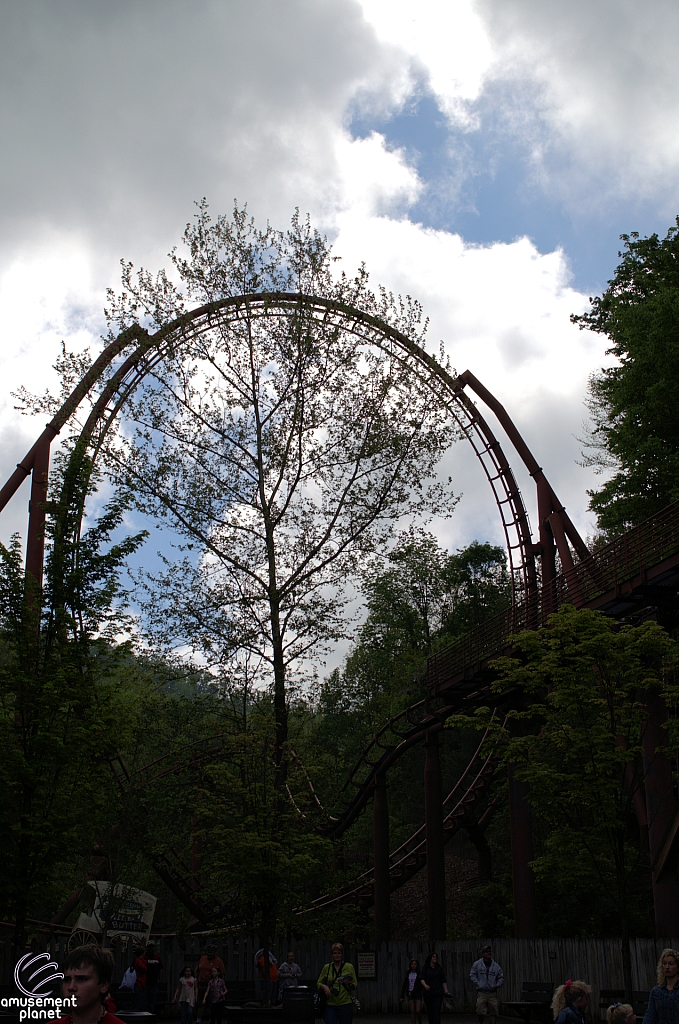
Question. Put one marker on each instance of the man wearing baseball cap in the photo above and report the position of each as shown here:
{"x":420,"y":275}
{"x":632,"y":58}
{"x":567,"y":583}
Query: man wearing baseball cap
{"x":488,"y":977}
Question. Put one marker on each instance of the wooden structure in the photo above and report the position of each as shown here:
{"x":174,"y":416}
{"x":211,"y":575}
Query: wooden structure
{"x":597,"y":961}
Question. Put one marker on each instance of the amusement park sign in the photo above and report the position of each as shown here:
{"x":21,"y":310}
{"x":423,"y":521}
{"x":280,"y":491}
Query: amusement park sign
{"x":129,"y":912}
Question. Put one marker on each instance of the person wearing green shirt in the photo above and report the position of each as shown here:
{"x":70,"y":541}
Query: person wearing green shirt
{"x":338,"y":981}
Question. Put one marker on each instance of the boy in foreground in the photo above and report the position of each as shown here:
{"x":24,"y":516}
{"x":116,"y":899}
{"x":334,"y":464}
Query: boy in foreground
{"x":88,"y":972}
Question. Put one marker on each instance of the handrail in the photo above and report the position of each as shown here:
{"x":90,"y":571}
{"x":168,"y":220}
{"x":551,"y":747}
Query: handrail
{"x":603,"y":572}
{"x":619,"y":562}
{"x":413,"y":852}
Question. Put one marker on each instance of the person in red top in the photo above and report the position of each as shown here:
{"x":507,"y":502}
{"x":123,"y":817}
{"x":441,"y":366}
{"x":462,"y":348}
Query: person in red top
{"x":154,"y":975}
{"x":140,"y":965}
{"x":205,"y":965}
{"x":88,"y":972}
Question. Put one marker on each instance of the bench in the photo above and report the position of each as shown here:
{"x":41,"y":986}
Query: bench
{"x":617,"y":995}
{"x":536,"y":997}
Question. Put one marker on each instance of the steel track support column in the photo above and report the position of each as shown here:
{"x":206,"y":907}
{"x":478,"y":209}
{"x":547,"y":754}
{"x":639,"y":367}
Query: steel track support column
{"x":196,"y":861}
{"x":547,"y":546}
{"x":661,"y":808}
{"x":196,"y":854}
{"x":381,"y":861}
{"x":521,"y":836}
{"x":35,"y":542}
{"x":433,"y":816}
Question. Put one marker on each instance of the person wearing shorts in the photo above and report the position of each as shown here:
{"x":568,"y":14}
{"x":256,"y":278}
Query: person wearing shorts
{"x":487,"y":976}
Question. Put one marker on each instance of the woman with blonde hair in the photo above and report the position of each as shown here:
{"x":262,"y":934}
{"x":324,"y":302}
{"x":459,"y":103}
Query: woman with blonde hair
{"x":570,"y":1002}
{"x":663,"y":1001}
{"x":338,"y":982}
{"x":621,"y":1013}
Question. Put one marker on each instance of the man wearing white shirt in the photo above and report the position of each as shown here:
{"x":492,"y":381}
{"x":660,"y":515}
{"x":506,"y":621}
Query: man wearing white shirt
{"x":289,"y":974}
{"x":487,"y":975}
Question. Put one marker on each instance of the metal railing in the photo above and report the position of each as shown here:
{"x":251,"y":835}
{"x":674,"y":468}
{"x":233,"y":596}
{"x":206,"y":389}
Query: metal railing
{"x":629,"y":556}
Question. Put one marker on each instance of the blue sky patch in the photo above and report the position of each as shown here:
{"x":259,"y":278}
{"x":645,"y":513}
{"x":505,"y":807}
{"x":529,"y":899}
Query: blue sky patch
{"x":480,"y":183}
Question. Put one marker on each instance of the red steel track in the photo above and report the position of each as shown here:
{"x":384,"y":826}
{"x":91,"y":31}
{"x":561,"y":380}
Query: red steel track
{"x":635,"y":571}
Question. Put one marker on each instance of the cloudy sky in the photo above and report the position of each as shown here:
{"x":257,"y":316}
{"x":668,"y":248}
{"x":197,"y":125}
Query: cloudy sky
{"x":481,"y":156}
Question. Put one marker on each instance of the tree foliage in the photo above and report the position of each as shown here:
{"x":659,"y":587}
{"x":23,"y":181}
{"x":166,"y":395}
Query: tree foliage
{"x":585,"y":681}
{"x":424,"y":594}
{"x":281,"y":448}
{"x":634,"y":404}
{"x":418,"y":597}
{"x":59,"y":706}
{"x":279,"y":444}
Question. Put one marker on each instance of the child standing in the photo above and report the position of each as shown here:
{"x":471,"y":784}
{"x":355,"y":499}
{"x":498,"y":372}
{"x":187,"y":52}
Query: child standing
{"x":621,"y":1013}
{"x":411,"y":989}
{"x":570,"y":1002}
{"x":215,"y":995}
{"x":186,"y":994}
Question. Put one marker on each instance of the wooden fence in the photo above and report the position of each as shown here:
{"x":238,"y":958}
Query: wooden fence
{"x":597,"y":961}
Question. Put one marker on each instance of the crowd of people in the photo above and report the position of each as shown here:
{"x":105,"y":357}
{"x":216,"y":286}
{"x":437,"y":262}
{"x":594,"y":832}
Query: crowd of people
{"x":88,"y":973}
{"x":205,"y":993}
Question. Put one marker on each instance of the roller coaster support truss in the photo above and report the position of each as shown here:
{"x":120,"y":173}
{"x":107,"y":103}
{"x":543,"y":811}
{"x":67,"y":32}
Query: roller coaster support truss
{"x":555,"y":528}
{"x":662,"y":816}
{"x":433,"y":817}
{"x":381,"y":860}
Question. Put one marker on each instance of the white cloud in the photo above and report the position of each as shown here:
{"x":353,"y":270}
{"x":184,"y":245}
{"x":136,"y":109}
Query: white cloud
{"x":448,"y":40}
{"x":46,"y":297}
{"x":372,"y":179}
{"x":502,"y":311}
{"x":116,"y":117}
{"x":605,"y":89}
{"x":590,"y":90}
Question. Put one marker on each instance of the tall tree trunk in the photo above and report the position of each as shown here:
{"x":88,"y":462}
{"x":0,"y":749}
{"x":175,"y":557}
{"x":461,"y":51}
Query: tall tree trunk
{"x":279,"y":701}
{"x":627,"y":966}
{"x":483,"y":851}
{"x":23,"y":875}
{"x":624,"y":923}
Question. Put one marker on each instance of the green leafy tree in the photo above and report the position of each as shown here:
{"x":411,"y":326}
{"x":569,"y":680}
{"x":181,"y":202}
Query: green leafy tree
{"x":417,"y":598}
{"x":585,"y":680}
{"x":634,"y":404}
{"x":478,"y":587}
{"x":59,"y":707}
{"x":282,"y":448}
{"x":261,"y":858}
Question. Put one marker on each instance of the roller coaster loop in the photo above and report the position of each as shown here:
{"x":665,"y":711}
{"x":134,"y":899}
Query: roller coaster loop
{"x":618,"y":580}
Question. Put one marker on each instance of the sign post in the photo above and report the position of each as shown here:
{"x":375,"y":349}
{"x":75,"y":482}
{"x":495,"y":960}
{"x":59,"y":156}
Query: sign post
{"x":129,"y":910}
{"x":367,"y":965}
